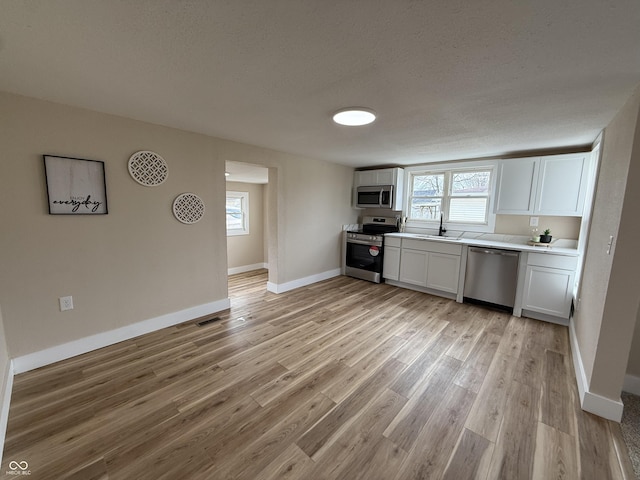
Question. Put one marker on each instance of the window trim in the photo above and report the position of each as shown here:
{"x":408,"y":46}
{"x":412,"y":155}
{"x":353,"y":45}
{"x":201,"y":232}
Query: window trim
{"x":244,"y":196}
{"x":431,"y":226}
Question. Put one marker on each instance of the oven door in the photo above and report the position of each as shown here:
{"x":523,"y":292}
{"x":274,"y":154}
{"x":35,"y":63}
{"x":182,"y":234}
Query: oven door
{"x":364,"y":260}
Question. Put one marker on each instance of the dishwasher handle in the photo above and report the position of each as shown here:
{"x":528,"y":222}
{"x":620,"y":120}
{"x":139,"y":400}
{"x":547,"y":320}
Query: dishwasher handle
{"x":489,"y":251}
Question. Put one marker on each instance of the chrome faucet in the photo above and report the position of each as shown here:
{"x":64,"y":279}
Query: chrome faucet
{"x":441,"y":230}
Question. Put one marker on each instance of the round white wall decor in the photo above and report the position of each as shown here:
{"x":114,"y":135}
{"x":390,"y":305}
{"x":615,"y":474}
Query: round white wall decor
{"x":148,"y":168}
{"x":188,"y":208}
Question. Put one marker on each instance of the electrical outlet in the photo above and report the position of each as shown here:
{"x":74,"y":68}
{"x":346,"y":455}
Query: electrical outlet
{"x":533,"y":221}
{"x":66,"y":303}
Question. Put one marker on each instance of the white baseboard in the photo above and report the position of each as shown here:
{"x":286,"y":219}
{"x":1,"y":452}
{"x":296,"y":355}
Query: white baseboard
{"x":603,"y":407}
{"x":246,"y":268}
{"x":302,"y":282}
{"x":78,"y":347}
{"x":589,"y":401}
{"x":6,"y":402}
{"x":578,"y":367}
{"x":631,"y":384}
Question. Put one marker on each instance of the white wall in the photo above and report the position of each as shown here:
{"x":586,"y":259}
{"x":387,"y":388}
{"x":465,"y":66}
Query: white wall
{"x":138,"y":262}
{"x":605,"y":320}
{"x":247,"y":250}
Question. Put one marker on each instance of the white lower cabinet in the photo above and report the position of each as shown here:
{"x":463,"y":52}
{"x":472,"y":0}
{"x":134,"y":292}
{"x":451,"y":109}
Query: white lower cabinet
{"x":413,"y":267}
{"x":548,"y":287}
{"x":391,"y":263}
{"x":443,"y":272}
{"x":429,"y":265}
{"x":434,"y":267}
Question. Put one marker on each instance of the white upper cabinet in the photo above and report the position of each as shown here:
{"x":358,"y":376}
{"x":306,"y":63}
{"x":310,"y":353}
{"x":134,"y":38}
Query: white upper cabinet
{"x":379,"y":178}
{"x":383,"y":176}
{"x":517,"y":180}
{"x":367,"y":177}
{"x":550,"y":185}
{"x":562,"y":184}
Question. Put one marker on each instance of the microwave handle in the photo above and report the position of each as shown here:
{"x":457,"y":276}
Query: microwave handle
{"x":390,"y":196}
{"x":380,"y":197}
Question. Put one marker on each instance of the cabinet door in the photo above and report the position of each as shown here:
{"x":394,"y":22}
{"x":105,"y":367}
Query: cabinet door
{"x":385,"y":177}
{"x":548,"y":290}
{"x":443,"y":272}
{"x":365,"y":178}
{"x":391,"y":263}
{"x":562,"y":185}
{"x":517,"y":186}
{"x":413,"y":267}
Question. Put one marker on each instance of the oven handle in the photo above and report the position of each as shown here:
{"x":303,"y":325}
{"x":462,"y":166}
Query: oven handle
{"x":365,"y":242}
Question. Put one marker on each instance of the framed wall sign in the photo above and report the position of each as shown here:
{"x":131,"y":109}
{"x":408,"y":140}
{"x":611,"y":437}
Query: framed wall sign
{"x":75,"y":186}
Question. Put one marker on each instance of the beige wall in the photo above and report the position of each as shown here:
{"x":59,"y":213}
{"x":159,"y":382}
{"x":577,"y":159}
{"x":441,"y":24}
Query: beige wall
{"x":633,"y":364}
{"x":561,"y":227}
{"x":5,"y":371}
{"x":265,"y":223}
{"x":138,"y":262}
{"x":623,"y":294}
{"x":312,"y":200}
{"x":248,"y":249}
{"x":608,"y":306}
{"x":4,"y":363}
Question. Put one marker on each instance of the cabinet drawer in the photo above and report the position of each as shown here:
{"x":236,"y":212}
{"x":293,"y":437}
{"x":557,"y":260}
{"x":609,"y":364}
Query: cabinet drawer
{"x":552,"y":261}
{"x":392,"y":241}
{"x":436,"y":246}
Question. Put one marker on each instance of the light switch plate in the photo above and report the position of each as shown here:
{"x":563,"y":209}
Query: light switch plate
{"x":609,"y":244}
{"x":533,"y":221}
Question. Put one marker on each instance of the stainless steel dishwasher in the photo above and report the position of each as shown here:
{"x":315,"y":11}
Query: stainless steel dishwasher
{"x":491,"y":276}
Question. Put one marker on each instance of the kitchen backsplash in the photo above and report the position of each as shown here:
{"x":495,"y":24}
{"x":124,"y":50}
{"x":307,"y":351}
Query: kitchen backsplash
{"x":561,"y":227}
{"x":351,"y":226}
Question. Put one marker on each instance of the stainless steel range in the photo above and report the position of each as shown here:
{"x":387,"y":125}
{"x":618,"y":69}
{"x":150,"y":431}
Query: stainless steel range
{"x":364,"y":249}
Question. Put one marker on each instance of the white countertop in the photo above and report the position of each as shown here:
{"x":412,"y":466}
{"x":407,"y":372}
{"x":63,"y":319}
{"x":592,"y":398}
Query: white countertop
{"x":508,"y":242}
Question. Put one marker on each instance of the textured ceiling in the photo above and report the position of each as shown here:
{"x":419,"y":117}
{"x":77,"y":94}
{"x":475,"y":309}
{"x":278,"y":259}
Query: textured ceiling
{"x":449,"y":79}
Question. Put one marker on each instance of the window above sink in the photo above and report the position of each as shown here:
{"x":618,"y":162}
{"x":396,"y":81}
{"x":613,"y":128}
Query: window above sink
{"x":462,"y":193}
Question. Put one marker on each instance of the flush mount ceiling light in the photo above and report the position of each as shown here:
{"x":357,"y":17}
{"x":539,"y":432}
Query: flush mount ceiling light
{"x":354,"y":116}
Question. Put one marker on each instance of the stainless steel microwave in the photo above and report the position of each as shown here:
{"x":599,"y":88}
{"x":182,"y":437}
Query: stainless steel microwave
{"x":379,"y":196}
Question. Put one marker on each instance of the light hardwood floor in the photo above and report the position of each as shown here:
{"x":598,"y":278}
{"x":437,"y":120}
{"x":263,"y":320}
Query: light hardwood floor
{"x":343,"y":379}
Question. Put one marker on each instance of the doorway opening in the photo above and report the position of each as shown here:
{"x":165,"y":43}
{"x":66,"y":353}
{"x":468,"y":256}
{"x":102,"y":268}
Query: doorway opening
{"x":247,"y":213}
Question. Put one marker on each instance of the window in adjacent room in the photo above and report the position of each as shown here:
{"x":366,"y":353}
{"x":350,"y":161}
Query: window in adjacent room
{"x":237,"y":213}
{"x":462,"y":196}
